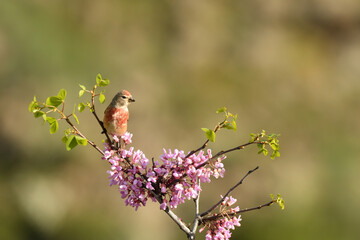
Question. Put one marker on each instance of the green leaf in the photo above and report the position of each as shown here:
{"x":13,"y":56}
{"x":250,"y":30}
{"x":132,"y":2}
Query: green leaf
{"x":275,"y":154}
{"x":81,"y":141}
{"x":104,"y":82}
{"x":264,"y":151}
{"x":54,"y":101}
{"x":221,"y":110}
{"x":62,"y":94}
{"x":76,"y":118}
{"x":102,"y":98}
{"x":229,"y":126}
{"x":274,"y":146}
{"x":38,"y":113}
{"x":234,"y":125}
{"x":280,"y":201}
{"x":98,"y":78}
{"x":54,"y":125}
{"x":71,"y":142}
{"x":230,"y":115}
{"x":33,"y":106}
{"x":81,"y":107}
{"x":50,"y":120}
{"x":210,"y":134}
{"x":81,"y":92}
{"x":64,"y":139}
{"x":82,"y":87}
{"x":262,"y":133}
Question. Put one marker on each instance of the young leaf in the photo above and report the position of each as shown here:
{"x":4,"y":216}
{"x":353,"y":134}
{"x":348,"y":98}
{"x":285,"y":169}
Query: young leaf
{"x":71,"y":142}
{"x":98,"y":78}
{"x":210,"y":134}
{"x":221,"y":110}
{"x":50,"y":120}
{"x":82,"y":87}
{"x":54,"y":101}
{"x":64,"y":139}
{"x":229,"y":126}
{"x":102,"y":98}
{"x":54,"y":126}
{"x":76,"y":118}
{"x":275,"y":154}
{"x":280,"y":201}
{"x":38,"y":113}
{"x":104,"y":82}
{"x":81,"y":107}
{"x":33,"y":106}
{"x":81,"y":92}
{"x":81,"y":141}
{"x":234,"y":124}
{"x":62,"y":94}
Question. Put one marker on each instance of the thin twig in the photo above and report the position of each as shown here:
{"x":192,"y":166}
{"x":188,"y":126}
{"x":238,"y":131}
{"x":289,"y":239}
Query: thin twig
{"x":213,"y":217}
{"x":234,"y":149}
{"x":97,"y":118}
{"x":217,"y":127}
{"x":83,"y":136}
{"x":197,"y":216}
{"x":226,"y":151}
{"x":228,"y":192}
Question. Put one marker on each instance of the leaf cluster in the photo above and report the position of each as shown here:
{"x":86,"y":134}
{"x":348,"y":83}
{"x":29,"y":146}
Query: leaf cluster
{"x":229,"y":123}
{"x":40,"y":109}
{"x":279,"y":200}
{"x":56,"y":104}
{"x":100,"y":82}
{"x":264,"y":141}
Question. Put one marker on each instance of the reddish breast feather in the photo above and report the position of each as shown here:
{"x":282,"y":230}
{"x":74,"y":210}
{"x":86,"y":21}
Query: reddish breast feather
{"x":116,"y":118}
{"x":121,"y":117}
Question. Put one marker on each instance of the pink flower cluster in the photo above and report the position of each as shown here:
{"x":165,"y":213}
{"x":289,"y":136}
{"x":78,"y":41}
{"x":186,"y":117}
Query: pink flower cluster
{"x":220,"y":228}
{"x":179,"y":174}
{"x":174,"y":177}
{"x":127,"y":169}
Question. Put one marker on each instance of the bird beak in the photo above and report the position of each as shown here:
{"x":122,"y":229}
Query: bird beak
{"x":131,"y":100}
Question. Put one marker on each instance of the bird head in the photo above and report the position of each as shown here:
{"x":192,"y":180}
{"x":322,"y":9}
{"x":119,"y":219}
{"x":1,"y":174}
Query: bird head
{"x":122,"y":98}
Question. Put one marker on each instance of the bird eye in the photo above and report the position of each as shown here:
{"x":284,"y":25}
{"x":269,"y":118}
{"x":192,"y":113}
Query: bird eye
{"x":123,"y":97}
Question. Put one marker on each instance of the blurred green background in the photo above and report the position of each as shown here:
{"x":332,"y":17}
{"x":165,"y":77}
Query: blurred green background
{"x":289,"y":67}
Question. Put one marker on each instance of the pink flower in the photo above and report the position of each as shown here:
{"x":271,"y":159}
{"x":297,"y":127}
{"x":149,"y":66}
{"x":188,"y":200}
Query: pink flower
{"x":232,"y":201}
{"x":116,"y":139}
{"x":163,"y":205}
{"x":127,"y":138}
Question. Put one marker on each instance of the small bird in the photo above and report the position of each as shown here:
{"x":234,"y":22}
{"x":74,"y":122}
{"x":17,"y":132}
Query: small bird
{"x":116,"y":115}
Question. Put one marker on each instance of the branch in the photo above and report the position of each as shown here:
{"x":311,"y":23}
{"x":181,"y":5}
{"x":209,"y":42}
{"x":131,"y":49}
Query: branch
{"x":83,"y":136}
{"x":229,"y":150}
{"x":210,"y":218}
{"x":178,"y":221}
{"x":234,"y":149}
{"x":230,"y":190}
{"x":217,"y":127}
{"x":97,"y":118}
{"x":197,"y":216}
{"x":170,"y":213}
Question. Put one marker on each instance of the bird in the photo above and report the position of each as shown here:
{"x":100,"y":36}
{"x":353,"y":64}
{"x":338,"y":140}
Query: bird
{"x":116,"y":115}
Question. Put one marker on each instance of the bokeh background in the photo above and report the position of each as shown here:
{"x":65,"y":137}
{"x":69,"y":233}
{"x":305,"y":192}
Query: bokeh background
{"x":289,"y":67}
